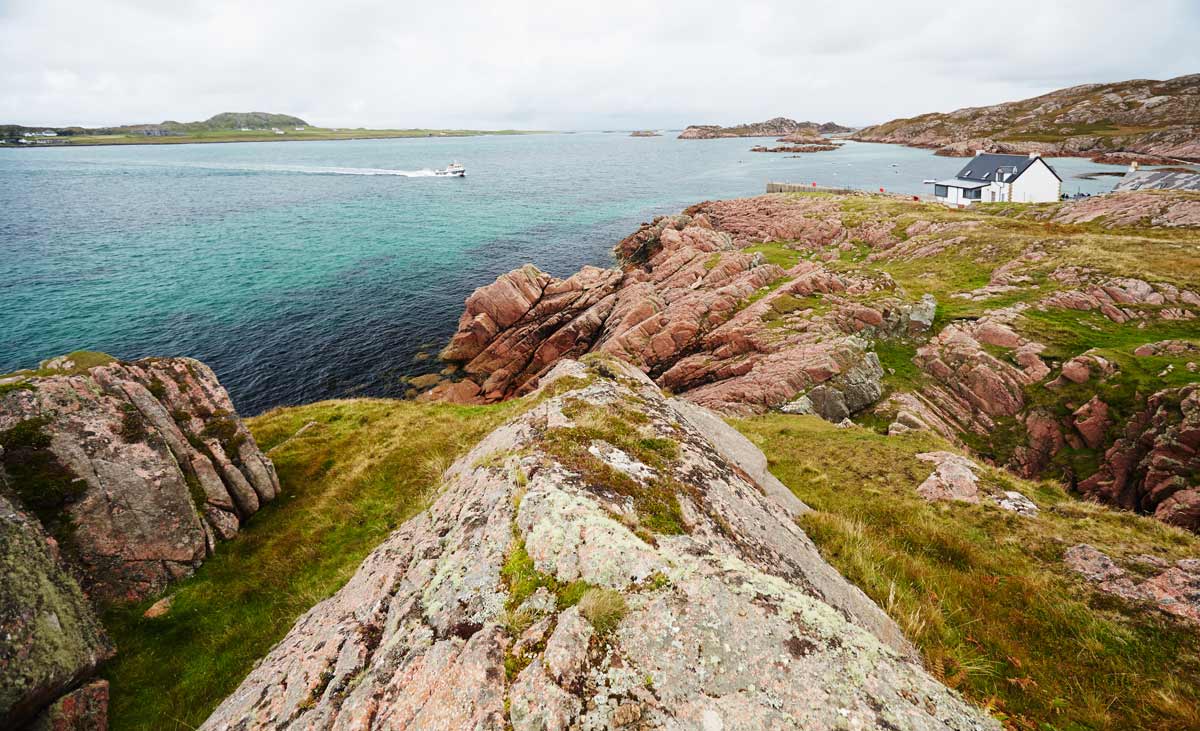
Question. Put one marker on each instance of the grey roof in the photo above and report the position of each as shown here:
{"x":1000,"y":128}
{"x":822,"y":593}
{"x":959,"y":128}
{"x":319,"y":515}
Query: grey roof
{"x":1158,"y":180}
{"x":986,"y":167}
{"x":960,"y":183}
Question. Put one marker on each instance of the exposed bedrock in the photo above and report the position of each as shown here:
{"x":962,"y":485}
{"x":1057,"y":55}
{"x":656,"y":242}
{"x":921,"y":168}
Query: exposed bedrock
{"x":139,"y":468}
{"x":663,"y":583}
{"x":1154,"y":465}
{"x":781,"y":302}
{"x":51,"y":639}
{"x":705,"y":318}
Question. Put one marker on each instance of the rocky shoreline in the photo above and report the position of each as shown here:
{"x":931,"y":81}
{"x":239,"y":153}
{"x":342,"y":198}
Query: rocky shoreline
{"x":705,"y":305}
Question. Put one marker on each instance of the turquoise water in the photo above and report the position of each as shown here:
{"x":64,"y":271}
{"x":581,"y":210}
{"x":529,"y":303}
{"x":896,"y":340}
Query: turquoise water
{"x":307,"y":270}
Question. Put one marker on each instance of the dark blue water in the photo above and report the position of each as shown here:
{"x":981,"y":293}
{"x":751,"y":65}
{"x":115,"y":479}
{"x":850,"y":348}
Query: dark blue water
{"x":308,"y":270}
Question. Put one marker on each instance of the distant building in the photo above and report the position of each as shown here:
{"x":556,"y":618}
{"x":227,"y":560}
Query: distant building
{"x":991,"y":178}
{"x":299,"y":129}
{"x":1157,"y":180}
{"x":277,"y":131}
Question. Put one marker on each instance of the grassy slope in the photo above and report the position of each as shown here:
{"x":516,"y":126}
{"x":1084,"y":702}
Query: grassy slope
{"x":983,"y":592}
{"x":365,"y":467}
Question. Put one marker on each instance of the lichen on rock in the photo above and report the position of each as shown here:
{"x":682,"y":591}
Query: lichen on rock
{"x":736,"y":620}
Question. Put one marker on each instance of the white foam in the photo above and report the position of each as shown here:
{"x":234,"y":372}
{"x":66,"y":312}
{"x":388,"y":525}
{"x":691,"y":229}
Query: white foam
{"x":301,"y":169}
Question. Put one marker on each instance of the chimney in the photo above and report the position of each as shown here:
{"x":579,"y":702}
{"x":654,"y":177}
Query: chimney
{"x":1133,"y":166}
{"x":1034,"y":155}
{"x":978,"y":153}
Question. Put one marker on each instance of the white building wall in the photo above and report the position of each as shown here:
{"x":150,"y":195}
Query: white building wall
{"x":1036,"y":185}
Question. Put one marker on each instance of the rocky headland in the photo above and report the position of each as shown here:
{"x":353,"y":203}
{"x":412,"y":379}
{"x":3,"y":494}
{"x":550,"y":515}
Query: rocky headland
{"x":971,"y":324}
{"x":117,"y":479}
{"x":775,"y":127}
{"x":1152,"y":121}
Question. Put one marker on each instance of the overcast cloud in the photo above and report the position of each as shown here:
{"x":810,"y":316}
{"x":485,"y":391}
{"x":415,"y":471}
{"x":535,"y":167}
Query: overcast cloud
{"x":611,"y":64}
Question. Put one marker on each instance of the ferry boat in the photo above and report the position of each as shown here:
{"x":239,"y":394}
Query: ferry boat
{"x":457,"y":169}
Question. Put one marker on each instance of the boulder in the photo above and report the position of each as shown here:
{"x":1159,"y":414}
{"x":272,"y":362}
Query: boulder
{"x":51,"y":640}
{"x":1091,"y":421}
{"x":83,"y":709}
{"x":140,"y":467}
{"x":953,"y":478}
{"x":854,"y":389}
{"x":1175,"y":589}
{"x":715,"y":609}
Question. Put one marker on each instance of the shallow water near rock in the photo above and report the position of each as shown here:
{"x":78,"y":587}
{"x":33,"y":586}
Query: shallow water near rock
{"x":311,"y":270}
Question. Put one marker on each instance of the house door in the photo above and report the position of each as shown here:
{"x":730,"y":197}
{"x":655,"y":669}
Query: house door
{"x":991,"y":196}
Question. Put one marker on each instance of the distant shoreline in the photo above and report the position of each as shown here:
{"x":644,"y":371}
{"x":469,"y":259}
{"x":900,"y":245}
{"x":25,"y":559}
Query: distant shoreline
{"x":129,"y":141}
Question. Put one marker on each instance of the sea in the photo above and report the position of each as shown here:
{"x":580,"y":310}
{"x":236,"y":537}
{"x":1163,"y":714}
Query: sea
{"x":303,"y":271}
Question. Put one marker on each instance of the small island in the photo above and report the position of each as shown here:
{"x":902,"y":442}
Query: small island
{"x":644,"y":133}
{"x":224,"y":127}
{"x":824,"y":147}
{"x":776,"y":127}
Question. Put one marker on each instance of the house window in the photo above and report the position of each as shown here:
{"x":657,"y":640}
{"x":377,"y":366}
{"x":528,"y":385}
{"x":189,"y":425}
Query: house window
{"x":940,"y":191}
{"x":973,"y":194}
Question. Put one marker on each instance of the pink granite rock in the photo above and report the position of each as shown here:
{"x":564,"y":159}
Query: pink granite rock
{"x":161,"y":462}
{"x":734,"y":622}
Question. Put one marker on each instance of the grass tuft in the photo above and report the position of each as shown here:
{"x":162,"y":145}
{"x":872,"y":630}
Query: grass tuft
{"x":604,"y":608}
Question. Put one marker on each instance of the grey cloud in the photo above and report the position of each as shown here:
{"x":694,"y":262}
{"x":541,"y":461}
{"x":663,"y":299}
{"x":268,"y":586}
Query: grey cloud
{"x":567,"y":65}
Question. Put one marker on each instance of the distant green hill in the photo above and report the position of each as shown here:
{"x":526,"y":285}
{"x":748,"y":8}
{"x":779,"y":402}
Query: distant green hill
{"x":216,"y":123}
{"x":238,"y":120}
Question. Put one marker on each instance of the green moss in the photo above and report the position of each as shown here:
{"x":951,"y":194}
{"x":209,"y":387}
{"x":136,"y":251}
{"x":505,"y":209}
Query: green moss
{"x":712,"y":261}
{"x":195,"y":490}
{"x":785,"y":304}
{"x":224,"y":427}
{"x":84,"y":361}
{"x":520,"y":575}
{"x":656,"y":503}
{"x":6,"y":388}
{"x":133,"y":424}
{"x":157,"y":388}
{"x":896,"y":356}
{"x":41,"y":481}
{"x":777,"y":252}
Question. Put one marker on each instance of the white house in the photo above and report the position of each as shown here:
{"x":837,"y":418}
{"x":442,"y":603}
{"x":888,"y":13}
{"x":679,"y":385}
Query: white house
{"x":991,"y":178}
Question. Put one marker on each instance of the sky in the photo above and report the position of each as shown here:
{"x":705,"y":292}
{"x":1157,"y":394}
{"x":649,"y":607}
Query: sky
{"x":566,"y":65}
